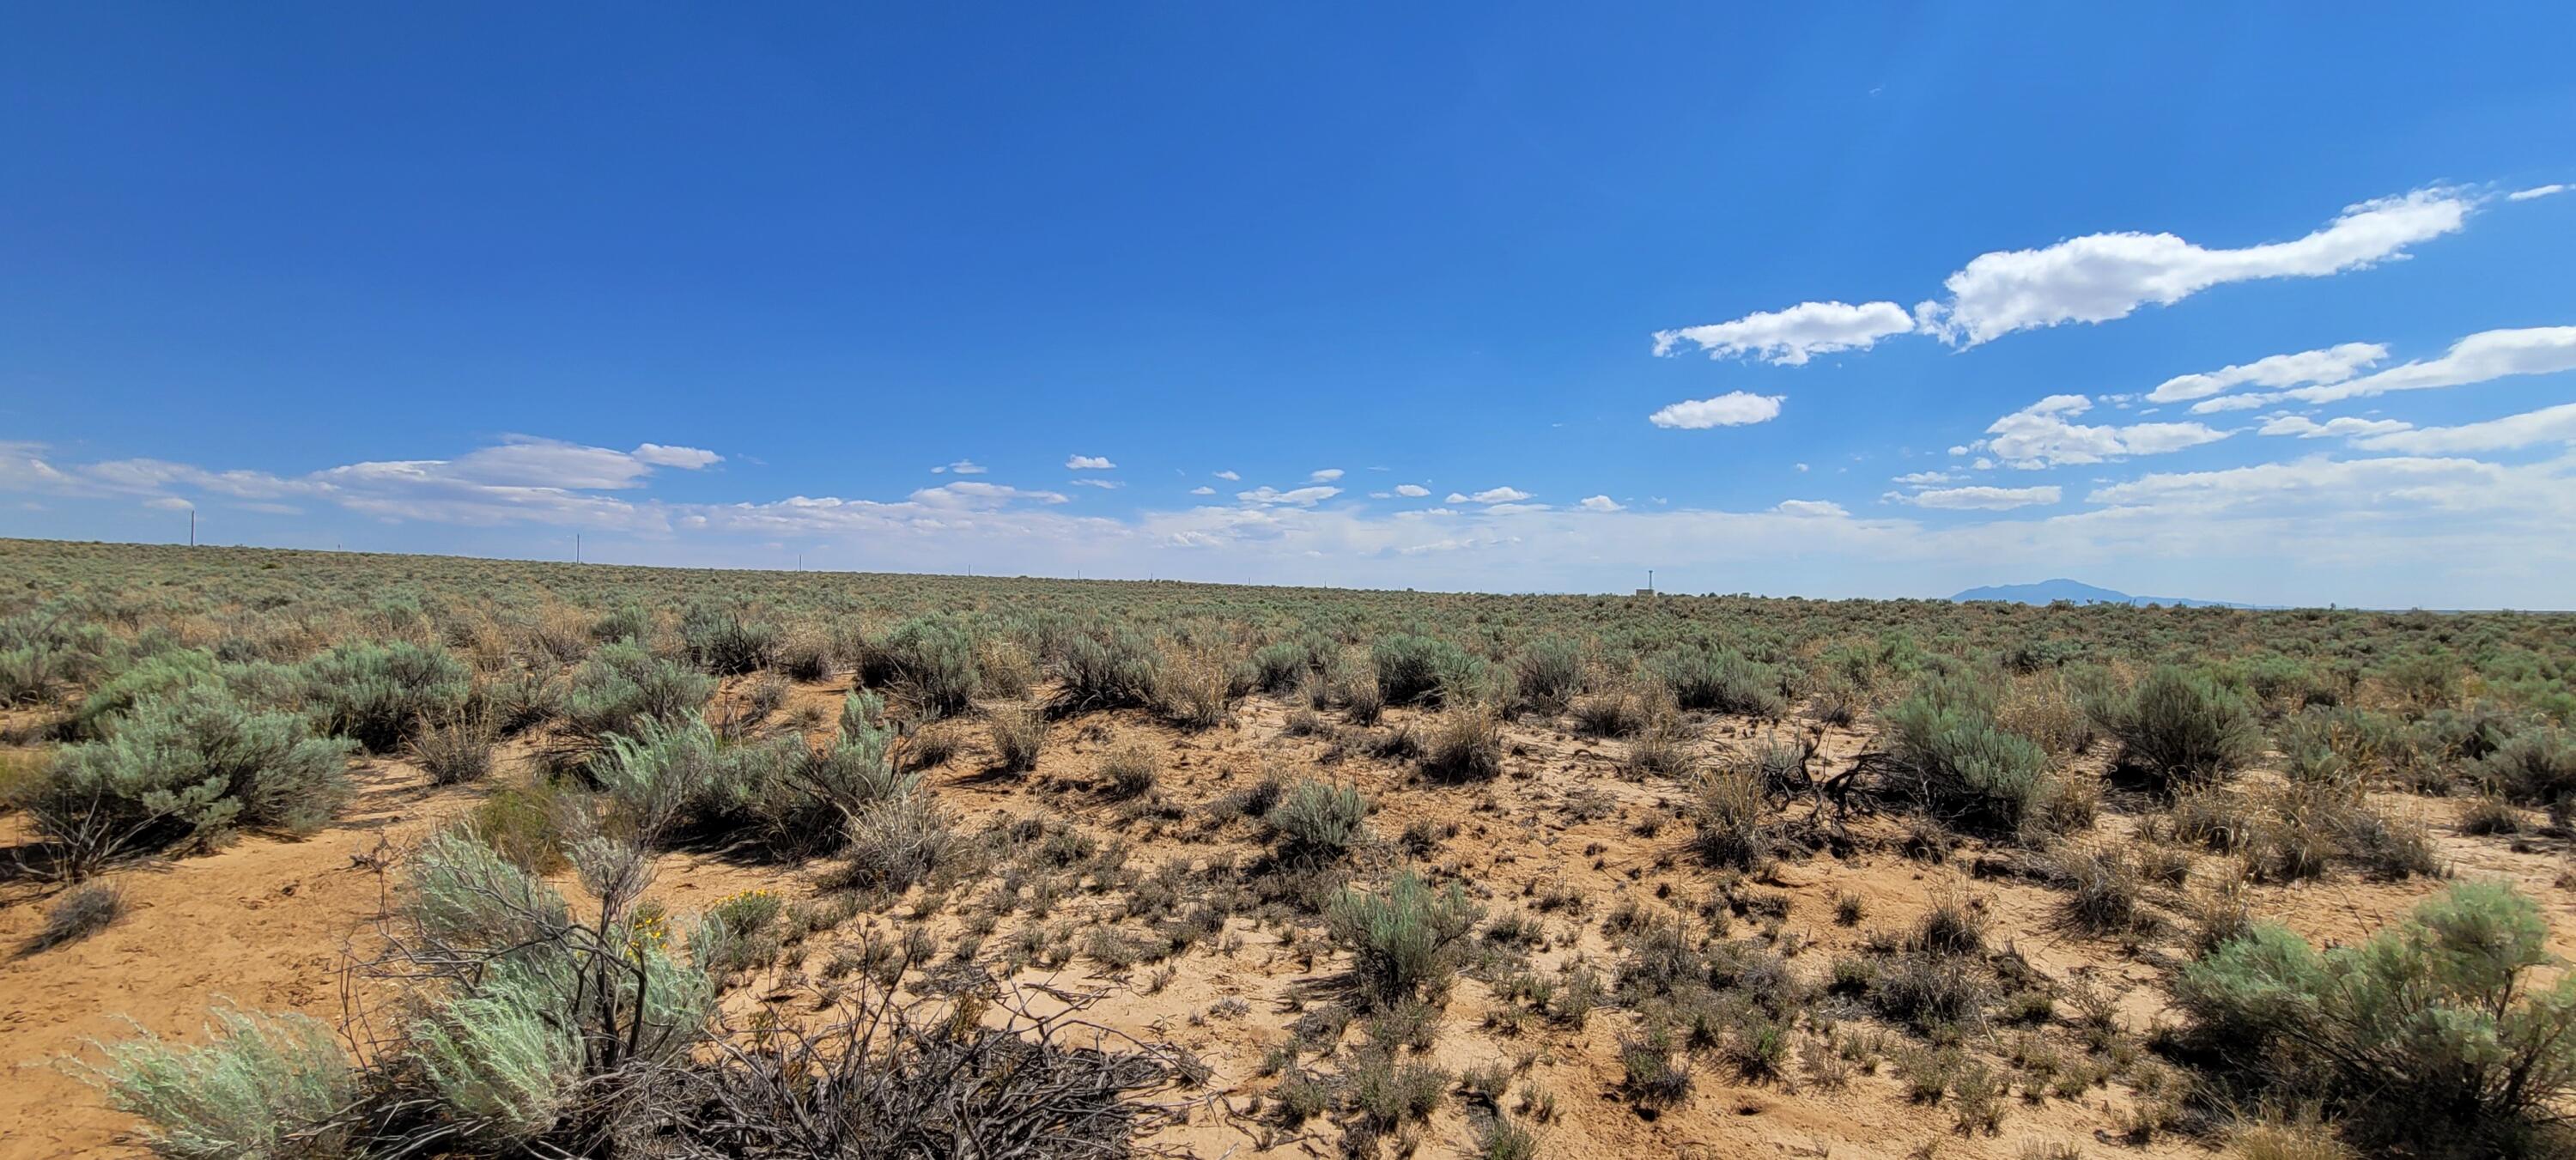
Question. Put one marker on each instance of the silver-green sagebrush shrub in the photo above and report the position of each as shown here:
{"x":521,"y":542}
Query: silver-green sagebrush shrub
{"x":378,"y":694}
{"x":2439,"y":1027}
{"x":2181,"y":726}
{"x":187,"y":769}
{"x":1318,"y":821}
{"x":1404,"y":943}
{"x":623,"y":685}
{"x":1964,"y":765}
{"x":269,"y":1087}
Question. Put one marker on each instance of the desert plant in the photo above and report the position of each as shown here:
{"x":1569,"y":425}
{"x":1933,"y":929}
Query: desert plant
{"x":1720,"y":680}
{"x":2435,"y":1024}
{"x":1318,"y":821}
{"x":622,"y":685}
{"x":1413,"y":669}
{"x":379,"y":694}
{"x":82,"y":911}
{"x":266,"y":1086}
{"x":1018,"y":732}
{"x":933,"y":659}
{"x":1465,"y":744}
{"x":186,"y":769}
{"x":2181,"y":726}
{"x":1192,"y":689}
{"x":1730,"y":811}
{"x":1405,"y":942}
{"x":1548,"y":672}
{"x":728,"y":639}
{"x":1131,"y":770}
{"x":454,"y":751}
{"x":1962,"y":764}
{"x":1112,"y":669}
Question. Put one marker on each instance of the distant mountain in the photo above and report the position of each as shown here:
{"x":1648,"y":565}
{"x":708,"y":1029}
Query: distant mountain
{"x":2051,"y":591}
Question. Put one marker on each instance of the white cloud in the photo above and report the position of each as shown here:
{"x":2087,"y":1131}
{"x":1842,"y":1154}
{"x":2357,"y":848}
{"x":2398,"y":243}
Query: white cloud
{"x":1411,"y":490}
{"x":2334,"y":364}
{"x":2100,"y":277}
{"x":170,"y":503}
{"x":2546,"y":425}
{"x":684,"y":458}
{"x":1490,"y":495}
{"x":2253,"y":402}
{"x":1228,"y":476}
{"x":2040,"y":435}
{"x":961,"y":467}
{"x":1295,"y":497}
{"x":1087,"y":463}
{"x":2490,"y":354}
{"x":2307,"y":428}
{"x":1810,"y":507}
{"x":1923,"y":478}
{"x":1980,"y":498}
{"x":2379,"y":487}
{"x":1601,"y":503}
{"x":1794,"y":335}
{"x":1203,"y":489}
{"x":1325,"y":475}
{"x":975,"y":493}
{"x":2537,"y":191}
{"x":1732,"y":409}
{"x":1103,"y":484}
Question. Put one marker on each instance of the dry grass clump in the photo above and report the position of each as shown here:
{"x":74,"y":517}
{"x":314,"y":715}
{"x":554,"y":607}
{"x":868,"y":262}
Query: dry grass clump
{"x":1729,"y":810}
{"x":82,"y":911}
{"x":455,"y":751}
{"x":1017,"y":732}
{"x":1465,"y":744}
{"x":1131,"y":770}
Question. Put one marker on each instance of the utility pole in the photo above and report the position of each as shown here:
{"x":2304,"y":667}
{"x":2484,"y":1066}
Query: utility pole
{"x":192,"y":527}
{"x":576,"y":547}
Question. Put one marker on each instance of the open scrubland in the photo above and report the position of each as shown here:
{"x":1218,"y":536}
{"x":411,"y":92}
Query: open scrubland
{"x":322,"y":855}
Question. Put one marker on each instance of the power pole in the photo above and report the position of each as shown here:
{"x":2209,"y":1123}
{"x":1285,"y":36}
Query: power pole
{"x":576,"y":547}
{"x":192,"y":527}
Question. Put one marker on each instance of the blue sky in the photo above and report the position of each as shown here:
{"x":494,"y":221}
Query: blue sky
{"x":1942,"y":297}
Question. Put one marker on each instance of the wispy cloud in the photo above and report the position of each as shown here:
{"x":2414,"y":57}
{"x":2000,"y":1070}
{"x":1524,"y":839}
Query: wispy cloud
{"x":1980,"y":498}
{"x":1792,"y":336}
{"x":1732,"y":409}
{"x":1088,"y":463}
{"x":2040,"y":435}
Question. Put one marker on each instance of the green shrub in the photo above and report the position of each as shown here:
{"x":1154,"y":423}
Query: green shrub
{"x":1317,"y":821}
{"x":379,"y":694}
{"x":1115,"y":669}
{"x":2536,"y":766}
{"x":1548,"y":672}
{"x":455,"y":751}
{"x":622,"y":685}
{"x":1404,"y":943}
{"x":188,"y":769}
{"x":2436,"y":1027}
{"x":1282,"y":665}
{"x":1719,"y":680}
{"x":933,"y":659}
{"x":1412,"y":669}
{"x":263,"y":1086}
{"x":2181,"y":725}
{"x":1964,"y":765}
{"x":728,"y":640}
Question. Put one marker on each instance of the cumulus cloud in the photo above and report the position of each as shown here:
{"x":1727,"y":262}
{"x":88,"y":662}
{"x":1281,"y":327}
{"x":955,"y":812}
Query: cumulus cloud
{"x":1088,"y":463}
{"x":1601,"y":503}
{"x":1810,"y":507}
{"x":1732,"y":409}
{"x":1228,"y":476}
{"x":2484,"y":356}
{"x":1924,"y":478}
{"x":1203,"y":489}
{"x":684,"y":458}
{"x":2348,"y":425}
{"x":2040,"y":435}
{"x":2546,"y":425}
{"x":1980,"y":498}
{"x":1411,"y":490}
{"x":1792,"y":336}
{"x":1324,"y":475}
{"x":1294,"y":497}
{"x":2334,"y":364}
{"x":1490,"y":495}
{"x":2100,"y":277}
{"x":975,"y":493}
{"x":961,"y":467}
{"x":2537,"y":191}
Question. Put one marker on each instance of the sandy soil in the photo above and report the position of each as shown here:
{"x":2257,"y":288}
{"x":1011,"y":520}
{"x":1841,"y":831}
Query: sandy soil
{"x":269,"y":923}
